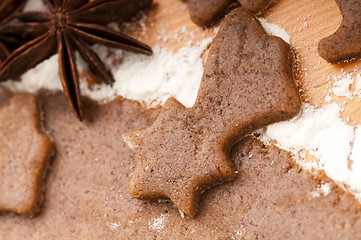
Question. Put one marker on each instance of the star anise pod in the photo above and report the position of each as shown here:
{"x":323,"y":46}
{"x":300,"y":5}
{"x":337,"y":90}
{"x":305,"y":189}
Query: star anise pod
{"x":7,"y":8}
{"x":72,"y":25}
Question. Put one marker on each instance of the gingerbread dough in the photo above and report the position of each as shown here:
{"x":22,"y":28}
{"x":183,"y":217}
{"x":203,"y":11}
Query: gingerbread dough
{"x":345,"y":43}
{"x":206,"y":12}
{"x":247,"y":84}
{"x":24,"y":156}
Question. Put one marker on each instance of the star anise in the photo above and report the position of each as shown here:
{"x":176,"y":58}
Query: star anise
{"x":7,"y":8}
{"x":72,"y":25}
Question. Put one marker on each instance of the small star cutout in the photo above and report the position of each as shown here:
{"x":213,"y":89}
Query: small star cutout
{"x":24,"y":155}
{"x":247,"y":84}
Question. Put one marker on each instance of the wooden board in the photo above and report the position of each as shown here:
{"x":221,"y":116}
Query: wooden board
{"x":307,"y":22}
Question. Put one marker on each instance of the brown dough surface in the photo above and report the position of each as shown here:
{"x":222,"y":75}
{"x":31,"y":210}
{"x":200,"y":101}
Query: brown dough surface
{"x":87,"y":190}
{"x":25,"y":152}
{"x":206,"y":12}
{"x":255,"y":6}
{"x":345,"y":43}
{"x":247,"y":84}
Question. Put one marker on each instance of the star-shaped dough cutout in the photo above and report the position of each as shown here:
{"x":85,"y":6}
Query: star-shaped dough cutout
{"x":206,"y":12}
{"x":345,"y":43}
{"x":25,"y":153}
{"x":247,"y":84}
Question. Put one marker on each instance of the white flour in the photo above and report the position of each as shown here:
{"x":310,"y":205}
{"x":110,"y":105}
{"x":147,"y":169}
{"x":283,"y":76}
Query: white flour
{"x":275,"y":30}
{"x":149,"y":79}
{"x":322,"y":190}
{"x":323,"y":134}
{"x":157,"y":224}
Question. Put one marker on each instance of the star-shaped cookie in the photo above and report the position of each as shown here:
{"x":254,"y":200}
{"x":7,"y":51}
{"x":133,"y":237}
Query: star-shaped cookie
{"x":205,"y":12}
{"x":24,"y":155}
{"x":345,"y":43}
{"x":247,"y":84}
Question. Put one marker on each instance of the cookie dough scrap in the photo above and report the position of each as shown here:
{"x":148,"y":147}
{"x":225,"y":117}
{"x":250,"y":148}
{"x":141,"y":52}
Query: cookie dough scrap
{"x":247,"y":84}
{"x":206,"y":12}
{"x":345,"y":43}
{"x":25,"y":153}
{"x":256,"y":6}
